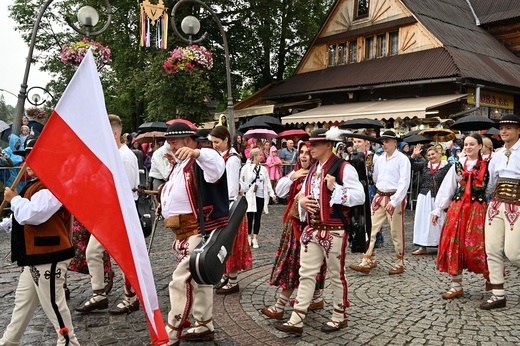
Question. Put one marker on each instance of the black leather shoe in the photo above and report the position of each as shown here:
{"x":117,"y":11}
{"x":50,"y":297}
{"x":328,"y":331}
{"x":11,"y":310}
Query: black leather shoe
{"x":326,"y":328}
{"x":124,"y":308}
{"x":223,"y":282}
{"x":493,"y":303}
{"x":228,"y":289}
{"x":298,"y":331}
{"x":89,"y":306}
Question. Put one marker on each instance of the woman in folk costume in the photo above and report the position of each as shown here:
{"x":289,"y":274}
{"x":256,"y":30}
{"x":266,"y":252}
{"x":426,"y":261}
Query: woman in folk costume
{"x":425,"y":234}
{"x":287,"y":261}
{"x":462,"y":237}
{"x":241,"y":257}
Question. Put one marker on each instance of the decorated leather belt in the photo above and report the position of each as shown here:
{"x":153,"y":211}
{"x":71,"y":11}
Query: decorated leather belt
{"x":507,"y":191}
{"x":381,"y":193}
{"x":184,"y":226}
{"x":321,"y":227}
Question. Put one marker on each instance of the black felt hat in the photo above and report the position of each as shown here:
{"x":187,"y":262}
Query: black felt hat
{"x":511,"y":119}
{"x":202,"y":135}
{"x":180,"y":129}
{"x":29,"y":144}
{"x":318,"y":135}
{"x":390,"y":135}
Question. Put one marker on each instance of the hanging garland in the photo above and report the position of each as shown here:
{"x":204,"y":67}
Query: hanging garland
{"x":150,"y":15}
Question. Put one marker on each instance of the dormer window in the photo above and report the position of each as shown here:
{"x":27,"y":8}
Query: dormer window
{"x":361,"y":8}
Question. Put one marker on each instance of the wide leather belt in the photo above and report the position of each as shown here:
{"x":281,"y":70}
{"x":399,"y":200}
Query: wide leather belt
{"x":322,"y":227}
{"x":184,"y":226}
{"x":507,"y":191}
{"x":389,"y":193}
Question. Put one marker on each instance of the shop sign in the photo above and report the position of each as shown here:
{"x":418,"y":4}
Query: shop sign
{"x":492,"y":99}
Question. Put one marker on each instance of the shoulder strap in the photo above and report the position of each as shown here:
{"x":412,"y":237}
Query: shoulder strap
{"x":335,"y":166}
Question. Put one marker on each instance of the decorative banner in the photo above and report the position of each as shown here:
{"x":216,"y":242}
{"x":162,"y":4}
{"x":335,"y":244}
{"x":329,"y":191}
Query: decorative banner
{"x":150,"y":14}
{"x":492,"y":99}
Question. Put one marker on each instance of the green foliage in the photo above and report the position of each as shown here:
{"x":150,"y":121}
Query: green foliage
{"x":266,"y":41}
{"x":6,"y":111}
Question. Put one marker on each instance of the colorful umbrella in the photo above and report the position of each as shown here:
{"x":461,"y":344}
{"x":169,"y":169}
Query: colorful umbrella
{"x":438,"y":134}
{"x":179,"y":120}
{"x":289,"y":134}
{"x":260,"y":133}
{"x":149,"y":137}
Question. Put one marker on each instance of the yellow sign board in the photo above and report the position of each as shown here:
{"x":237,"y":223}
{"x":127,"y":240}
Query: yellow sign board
{"x":492,"y":99}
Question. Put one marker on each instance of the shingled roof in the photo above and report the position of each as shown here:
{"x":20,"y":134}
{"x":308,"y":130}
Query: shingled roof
{"x":490,"y":12}
{"x":468,"y":52}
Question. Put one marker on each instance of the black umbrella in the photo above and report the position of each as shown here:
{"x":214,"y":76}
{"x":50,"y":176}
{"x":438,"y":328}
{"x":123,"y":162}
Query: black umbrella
{"x":411,"y":133}
{"x":473,"y":123}
{"x":36,"y":127}
{"x":492,"y":131}
{"x":417,"y":139}
{"x":262,"y":122}
{"x":152,"y":126}
{"x":362,"y":123}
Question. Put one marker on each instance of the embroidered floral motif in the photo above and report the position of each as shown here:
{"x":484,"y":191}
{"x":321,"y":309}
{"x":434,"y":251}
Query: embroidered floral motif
{"x":306,"y":237}
{"x":324,"y":239}
{"x":35,"y":273}
{"x":511,"y":213}
{"x":493,"y":210}
{"x":182,"y":250}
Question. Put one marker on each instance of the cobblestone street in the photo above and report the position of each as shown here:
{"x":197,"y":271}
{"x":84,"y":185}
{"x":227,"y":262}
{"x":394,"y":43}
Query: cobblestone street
{"x":402,"y":309}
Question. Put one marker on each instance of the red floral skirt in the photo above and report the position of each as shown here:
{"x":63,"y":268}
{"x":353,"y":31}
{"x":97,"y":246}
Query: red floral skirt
{"x":80,"y":238}
{"x":241,"y":257}
{"x":461,"y":244}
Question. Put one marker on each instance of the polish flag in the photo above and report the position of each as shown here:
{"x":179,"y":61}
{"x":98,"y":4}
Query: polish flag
{"x":77,"y":159}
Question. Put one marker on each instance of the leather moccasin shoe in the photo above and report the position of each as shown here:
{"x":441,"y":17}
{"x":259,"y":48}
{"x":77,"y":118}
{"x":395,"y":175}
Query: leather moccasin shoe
{"x":206,"y":335}
{"x":420,"y":251}
{"x":272,"y":314}
{"x":316,"y":305}
{"x":453,"y":294}
{"x":396,"y":270}
{"x":92,"y":306}
{"x":124,"y":308}
{"x":360,"y":268}
{"x":333,"y":326}
{"x":493,"y":303}
{"x":228,"y":289}
{"x":283,"y":327}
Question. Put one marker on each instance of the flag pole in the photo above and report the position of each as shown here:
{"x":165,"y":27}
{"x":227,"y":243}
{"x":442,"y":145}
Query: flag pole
{"x":15,"y":184}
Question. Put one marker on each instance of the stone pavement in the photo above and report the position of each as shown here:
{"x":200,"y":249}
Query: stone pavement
{"x":405,"y":309}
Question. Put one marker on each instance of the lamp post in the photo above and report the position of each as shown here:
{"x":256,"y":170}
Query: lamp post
{"x":191,"y":26}
{"x":22,"y":95}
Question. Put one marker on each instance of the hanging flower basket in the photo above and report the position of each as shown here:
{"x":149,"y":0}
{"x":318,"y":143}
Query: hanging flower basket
{"x":37,"y":114}
{"x":188,"y":58}
{"x":74,"y":53}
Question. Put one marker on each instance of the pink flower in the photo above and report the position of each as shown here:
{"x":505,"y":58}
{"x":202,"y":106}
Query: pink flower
{"x":188,"y":58}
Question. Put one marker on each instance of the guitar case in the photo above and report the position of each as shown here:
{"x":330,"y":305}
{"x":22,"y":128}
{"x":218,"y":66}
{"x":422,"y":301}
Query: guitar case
{"x":208,"y":259}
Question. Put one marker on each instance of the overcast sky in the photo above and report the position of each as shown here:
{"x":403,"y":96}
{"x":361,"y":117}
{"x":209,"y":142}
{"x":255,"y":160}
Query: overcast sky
{"x":13,"y":57}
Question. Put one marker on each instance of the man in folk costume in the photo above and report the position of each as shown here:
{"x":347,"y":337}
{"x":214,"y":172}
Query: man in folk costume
{"x":40,"y":244}
{"x":391,"y":176}
{"x":95,"y":250}
{"x":329,"y":189}
{"x":193,"y":169}
{"x":502,"y":231}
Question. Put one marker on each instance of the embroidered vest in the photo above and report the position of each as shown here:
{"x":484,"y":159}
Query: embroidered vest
{"x":48,"y":242}
{"x":215,"y":204}
{"x":328,"y":215}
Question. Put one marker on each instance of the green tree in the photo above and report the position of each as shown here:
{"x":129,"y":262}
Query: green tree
{"x":6,"y":111}
{"x":266,"y":41}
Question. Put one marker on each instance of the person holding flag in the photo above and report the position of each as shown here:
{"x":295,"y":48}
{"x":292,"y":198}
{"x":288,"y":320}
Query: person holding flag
{"x":40,"y":244}
{"x":79,"y":136}
{"x":202,"y":169}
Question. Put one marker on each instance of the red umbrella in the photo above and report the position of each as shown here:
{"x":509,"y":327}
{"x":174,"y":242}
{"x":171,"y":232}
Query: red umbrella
{"x":179,"y":120}
{"x":289,"y":134}
{"x":260,"y":133}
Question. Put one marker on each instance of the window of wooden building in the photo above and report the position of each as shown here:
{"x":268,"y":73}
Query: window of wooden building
{"x":361,"y":8}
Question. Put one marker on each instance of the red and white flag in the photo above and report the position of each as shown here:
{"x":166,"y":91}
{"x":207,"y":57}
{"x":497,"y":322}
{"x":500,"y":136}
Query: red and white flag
{"x":77,"y":159}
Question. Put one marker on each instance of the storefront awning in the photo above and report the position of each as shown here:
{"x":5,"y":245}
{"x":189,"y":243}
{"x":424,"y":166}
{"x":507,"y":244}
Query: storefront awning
{"x":263,"y":109}
{"x":402,"y":108}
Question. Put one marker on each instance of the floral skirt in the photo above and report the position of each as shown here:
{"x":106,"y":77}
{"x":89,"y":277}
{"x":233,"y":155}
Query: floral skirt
{"x":285,"y":274}
{"x":80,"y":237}
{"x":241,"y":257}
{"x":463,"y":247}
